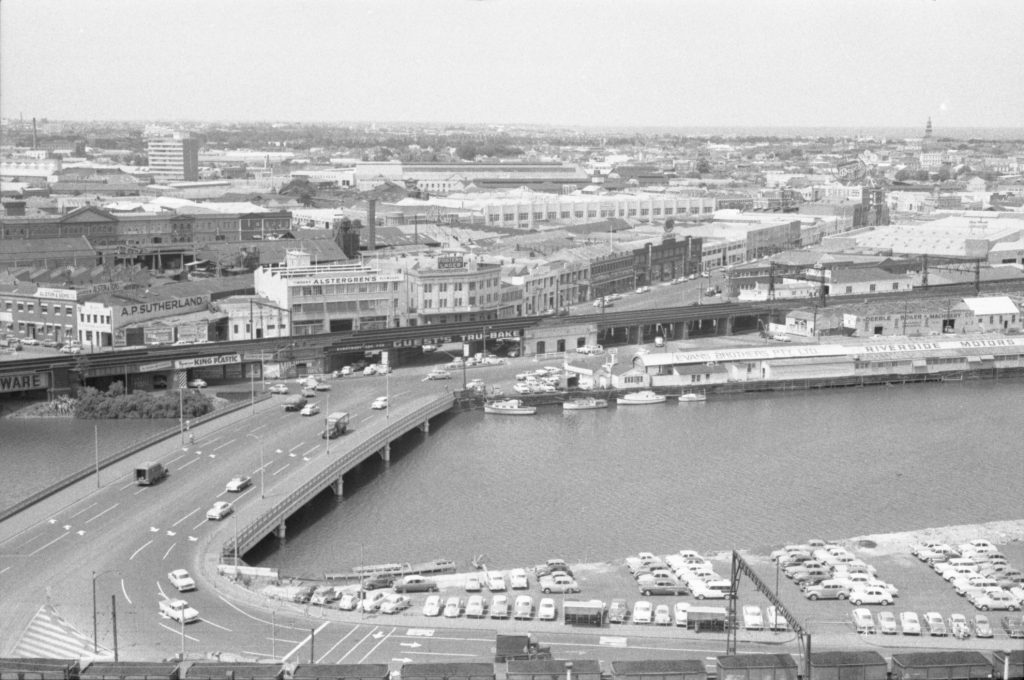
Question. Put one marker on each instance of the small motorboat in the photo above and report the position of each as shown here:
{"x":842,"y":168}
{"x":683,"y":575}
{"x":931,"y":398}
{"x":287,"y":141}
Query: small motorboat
{"x":640,"y":398}
{"x":692,"y":396}
{"x":509,"y":407}
{"x":584,"y":404}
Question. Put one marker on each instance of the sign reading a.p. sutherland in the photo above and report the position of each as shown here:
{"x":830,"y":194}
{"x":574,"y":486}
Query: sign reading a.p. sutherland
{"x":18,"y":382}
{"x":209,"y":361}
{"x":140,"y":311}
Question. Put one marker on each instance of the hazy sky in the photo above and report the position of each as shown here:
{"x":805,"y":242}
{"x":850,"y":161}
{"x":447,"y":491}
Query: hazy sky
{"x":857,"y":63}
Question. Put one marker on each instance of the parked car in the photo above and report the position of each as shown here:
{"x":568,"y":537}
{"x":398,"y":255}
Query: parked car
{"x":909,"y":623}
{"x":197,"y":383}
{"x":181,"y":580}
{"x":618,"y":611}
{"x":499,"y":607}
{"x":643,"y":612}
{"x":752,"y":619}
{"x":982,"y":626}
{"x":348,"y":601}
{"x":379,"y":404}
{"x":453,"y":608}
{"x":680,"y":613}
{"x":643,"y":289}
{"x":775,"y":619}
{"x":935,"y":625}
{"x":870,"y":595}
{"x":995,"y":599}
{"x":958,"y":626}
{"x":220,"y":510}
{"x":238,"y":483}
{"x":475,"y":607}
{"x":324,"y":595}
{"x":495,"y":581}
{"x":439,"y":374}
{"x":1014,"y":626}
{"x":558,"y":583}
{"x":377,"y":581}
{"x":546,"y":610}
{"x":524,"y":607}
{"x":394,"y":603}
{"x":827,"y":590}
{"x":432,"y":606}
{"x":414,"y":583}
{"x":473,"y":584}
{"x":518,"y":579}
{"x":862,"y":621}
{"x":886,"y":623}
{"x":177,"y":610}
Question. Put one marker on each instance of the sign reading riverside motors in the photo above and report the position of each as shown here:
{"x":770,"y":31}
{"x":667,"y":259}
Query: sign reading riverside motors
{"x":140,"y":311}
{"x":345,"y":279}
{"x":17,"y":382}
{"x":208,"y":361}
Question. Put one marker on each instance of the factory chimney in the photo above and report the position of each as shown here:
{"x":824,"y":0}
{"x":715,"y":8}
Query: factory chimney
{"x":371,"y":219}
{"x":34,"y":141}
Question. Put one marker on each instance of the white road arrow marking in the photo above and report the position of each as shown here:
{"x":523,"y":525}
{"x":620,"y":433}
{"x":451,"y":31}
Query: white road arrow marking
{"x":171,"y":533}
{"x":52,"y":520}
{"x":394,"y":658}
{"x":410,"y":644}
{"x":153,"y":530}
{"x":67,"y":527}
{"x":378,"y":635}
{"x":193,"y":539}
{"x":80,"y":532}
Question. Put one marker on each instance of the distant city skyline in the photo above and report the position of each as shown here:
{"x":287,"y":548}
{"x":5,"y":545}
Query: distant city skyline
{"x":600,"y":63}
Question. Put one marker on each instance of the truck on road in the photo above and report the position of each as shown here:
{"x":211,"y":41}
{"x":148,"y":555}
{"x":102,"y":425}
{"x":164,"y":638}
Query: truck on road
{"x":337,"y":424}
{"x":148,"y":474}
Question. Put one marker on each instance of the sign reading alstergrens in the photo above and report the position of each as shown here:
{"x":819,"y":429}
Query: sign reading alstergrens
{"x":342,"y":280}
{"x":209,"y":361}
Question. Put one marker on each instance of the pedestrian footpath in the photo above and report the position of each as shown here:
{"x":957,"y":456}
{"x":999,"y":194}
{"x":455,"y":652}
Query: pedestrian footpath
{"x":48,"y":635}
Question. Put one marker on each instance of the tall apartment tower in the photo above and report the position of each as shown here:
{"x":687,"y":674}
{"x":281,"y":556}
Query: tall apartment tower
{"x":174,"y":157}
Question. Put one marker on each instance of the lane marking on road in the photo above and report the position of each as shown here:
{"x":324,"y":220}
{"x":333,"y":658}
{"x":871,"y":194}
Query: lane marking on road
{"x":175,"y":459}
{"x":272,"y":621}
{"x":335,"y":645}
{"x":4,"y":569}
{"x":200,"y":524}
{"x":304,"y":641}
{"x":186,"y":517}
{"x":125,"y":591}
{"x":216,"y":625}
{"x":144,"y":546}
{"x":141,"y":489}
{"x":311,"y":450}
{"x":169,"y":550}
{"x":379,"y":643}
{"x":177,"y":632}
{"x":102,"y":513}
{"x":282,"y":469}
{"x":122,"y":488}
{"x":296,"y":446}
{"x":258,"y":427}
{"x":361,"y":641}
{"x":83,"y":510}
{"x":230,"y":441}
{"x":43,"y":547}
{"x":437,"y":653}
{"x":188,"y":463}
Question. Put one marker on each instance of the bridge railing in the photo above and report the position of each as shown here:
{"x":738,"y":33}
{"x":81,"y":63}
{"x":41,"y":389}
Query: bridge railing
{"x":264,"y":523}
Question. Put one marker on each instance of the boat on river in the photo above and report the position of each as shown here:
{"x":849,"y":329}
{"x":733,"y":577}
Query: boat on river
{"x":584,"y":404}
{"x":640,"y":398}
{"x":509,"y":407}
{"x":692,"y":396}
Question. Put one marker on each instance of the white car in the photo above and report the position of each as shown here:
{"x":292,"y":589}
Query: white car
{"x":752,"y":619}
{"x":495,"y":581}
{"x":220,"y":510}
{"x":870,"y":595}
{"x":775,"y":619}
{"x":473,"y":584}
{"x":886,"y":623}
{"x":546,"y":610}
{"x":643,"y":612}
{"x":309,"y":410}
{"x":662,"y":615}
{"x":499,"y":607}
{"x":394,"y":603}
{"x":178,"y":610}
{"x":452,"y":608}
{"x":475,"y":607}
{"x":379,"y":404}
{"x":348,"y":601}
{"x":523,"y":608}
{"x":909,"y":623}
{"x":994,"y":598}
{"x":518,"y":579}
{"x":279,"y":388}
{"x":432,"y":606}
{"x":862,"y":620}
{"x":680,"y":613}
{"x":238,"y":483}
{"x":197,"y":382}
{"x":182,"y":580}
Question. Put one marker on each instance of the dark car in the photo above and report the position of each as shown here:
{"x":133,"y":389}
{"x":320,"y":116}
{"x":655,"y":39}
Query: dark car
{"x":661,"y":586}
{"x":1014,"y":626}
{"x":377,"y":581}
{"x":618,"y":612}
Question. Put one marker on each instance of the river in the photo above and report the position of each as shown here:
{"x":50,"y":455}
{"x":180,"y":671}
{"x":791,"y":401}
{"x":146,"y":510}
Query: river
{"x":746,"y":471}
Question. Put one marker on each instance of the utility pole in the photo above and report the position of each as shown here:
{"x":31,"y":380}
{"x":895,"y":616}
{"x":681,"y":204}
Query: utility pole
{"x":113,"y":618}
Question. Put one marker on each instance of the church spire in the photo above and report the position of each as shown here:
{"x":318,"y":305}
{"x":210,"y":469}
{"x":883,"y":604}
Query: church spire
{"x":928,"y":129}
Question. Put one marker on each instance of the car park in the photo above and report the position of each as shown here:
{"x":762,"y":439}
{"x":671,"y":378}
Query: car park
{"x":518,"y":579}
{"x":348,"y":601}
{"x":197,"y":383}
{"x":973,"y":583}
{"x":523,"y":608}
{"x":827,"y":590}
{"x":934,"y":624}
{"x":958,"y":626}
{"x":546,"y":610}
{"x":982,"y":626}
{"x":662,"y":615}
{"x":643,"y":612}
{"x":706,"y":590}
{"x":618,"y":611}
{"x":414,"y":583}
{"x":372,"y":601}
{"x":220,"y":510}
{"x":1013,"y":626}
{"x":870,"y":595}
{"x":324,"y":595}
{"x":752,"y":619}
{"x":238,"y":483}
{"x":499,"y":607}
{"x":910,"y":624}
{"x":994,"y":599}
{"x":886,"y":623}
{"x":181,"y":580}
{"x":495,"y":581}
{"x":279,"y":388}
{"x":177,"y":610}
{"x":379,"y":404}
{"x":394,"y":603}
{"x":558,"y":583}
{"x":475,"y":607}
{"x":432,"y":606}
{"x":661,"y":586}
{"x":473,"y":584}
{"x":862,"y":621}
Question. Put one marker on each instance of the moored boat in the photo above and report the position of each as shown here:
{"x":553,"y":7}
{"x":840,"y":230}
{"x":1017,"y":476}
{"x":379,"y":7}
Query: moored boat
{"x":641,"y":397}
{"x":584,"y":404}
{"x":692,"y":396}
{"x":509,"y":407}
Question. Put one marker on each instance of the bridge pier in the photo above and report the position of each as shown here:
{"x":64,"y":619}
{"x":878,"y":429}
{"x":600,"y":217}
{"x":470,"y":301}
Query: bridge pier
{"x":385,"y":453}
{"x":279,"y":531}
{"x":686,"y":330}
{"x":338,"y":487}
{"x":425,"y":427}
{"x":728,"y":324}
{"x":639,"y":335}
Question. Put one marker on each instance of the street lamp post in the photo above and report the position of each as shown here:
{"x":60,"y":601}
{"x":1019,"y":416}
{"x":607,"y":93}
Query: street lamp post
{"x":260,"y":440}
{"x":95,"y":633}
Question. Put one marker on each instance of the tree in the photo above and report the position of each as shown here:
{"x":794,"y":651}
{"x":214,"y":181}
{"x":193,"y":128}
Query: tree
{"x":703,"y":166}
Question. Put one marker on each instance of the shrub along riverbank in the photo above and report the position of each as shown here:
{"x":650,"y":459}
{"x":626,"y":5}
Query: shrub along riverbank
{"x":114,"y":403}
